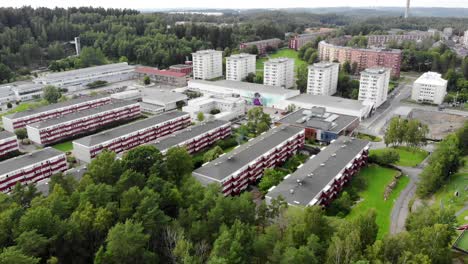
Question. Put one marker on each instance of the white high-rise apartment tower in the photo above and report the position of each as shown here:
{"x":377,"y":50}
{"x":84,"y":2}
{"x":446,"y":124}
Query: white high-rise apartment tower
{"x":374,"y":85}
{"x":279,"y":72}
{"x":238,"y":66}
{"x":429,"y":88}
{"x":207,"y":64}
{"x":465,"y":39}
{"x":323,"y":78}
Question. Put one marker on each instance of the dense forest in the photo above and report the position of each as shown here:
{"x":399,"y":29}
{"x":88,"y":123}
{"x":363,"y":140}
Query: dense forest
{"x":146,"y":208}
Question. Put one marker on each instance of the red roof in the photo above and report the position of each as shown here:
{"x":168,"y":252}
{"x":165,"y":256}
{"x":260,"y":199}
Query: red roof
{"x":154,"y":71}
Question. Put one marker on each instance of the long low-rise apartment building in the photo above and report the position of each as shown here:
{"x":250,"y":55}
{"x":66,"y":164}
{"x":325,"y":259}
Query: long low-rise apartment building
{"x":58,"y":129}
{"x":129,"y":136}
{"x":197,"y":137}
{"x":245,"y":164}
{"x":382,"y":40}
{"x":262,"y":45}
{"x":8,"y":143}
{"x":320,"y":179}
{"x":21,"y":119}
{"x":76,"y":80}
{"x":178,"y":79}
{"x":31,"y":168}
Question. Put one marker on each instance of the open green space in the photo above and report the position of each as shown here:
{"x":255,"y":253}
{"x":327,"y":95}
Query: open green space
{"x":447,"y":194}
{"x":462,"y":241}
{"x":64,"y":146}
{"x":377,"y":178}
{"x":409,"y":157}
{"x":369,"y":137}
{"x":288,"y":53}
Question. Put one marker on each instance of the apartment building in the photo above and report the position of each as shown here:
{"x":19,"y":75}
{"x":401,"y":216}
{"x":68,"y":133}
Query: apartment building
{"x":245,"y":164}
{"x":183,"y":68}
{"x":177,"y":79}
{"x":229,"y":107}
{"x":31,"y":168}
{"x":298,"y":41}
{"x":61,"y":128}
{"x":364,"y":58}
{"x":262,"y":45}
{"x":382,"y":40}
{"x":238,"y":66}
{"x":465,"y":39}
{"x":75,"y":80}
{"x":207,"y":64}
{"x":429,"y":88}
{"x":322,"y":78}
{"x":321,"y":178}
{"x":8,"y":143}
{"x":130,"y":136}
{"x":321,"y":125}
{"x":279,"y":72}
{"x":195,"y":138}
{"x":14,"y":121}
{"x":374,"y":85}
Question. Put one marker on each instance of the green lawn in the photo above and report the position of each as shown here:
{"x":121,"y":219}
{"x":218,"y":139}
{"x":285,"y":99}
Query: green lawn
{"x":372,"y":197}
{"x":446,"y":194}
{"x":369,"y":137}
{"x":409,"y":157}
{"x":289,"y":53}
{"x":462,"y":242}
{"x":64,"y":146}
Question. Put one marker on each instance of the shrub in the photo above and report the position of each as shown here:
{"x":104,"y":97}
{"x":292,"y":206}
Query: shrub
{"x":227,"y":143}
{"x":385,"y":157}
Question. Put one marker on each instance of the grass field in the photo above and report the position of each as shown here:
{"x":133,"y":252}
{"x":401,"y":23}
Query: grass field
{"x":409,"y":157}
{"x":462,"y":241}
{"x":289,"y":53}
{"x":64,"y":146}
{"x":446,"y":194}
{"x":377,"y":179}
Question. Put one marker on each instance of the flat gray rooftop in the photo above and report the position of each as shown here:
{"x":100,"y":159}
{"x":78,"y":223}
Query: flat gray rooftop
{"x":262,"y":41}
{"x":187,"y":134}
{"x":157,"y":95}
{"x":250,"y":87}
{"x":314,"y":176}
{"x":313,"y":118}
{"x":5,"y":134}
{"x":223,"y":167}
{"x":25,"y":160}
{"x":82,"y":114}
{"x":328,"y":101}
{"x":90,"y":71}
{"x":127,"y":129}
{"x":54,"y":106}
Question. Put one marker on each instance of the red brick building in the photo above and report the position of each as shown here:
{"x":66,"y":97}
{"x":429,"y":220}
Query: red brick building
{"x":262,"y":45}
{"x":8,"y":143}
{"x":365,"y":58}
{"x":187,"y":69}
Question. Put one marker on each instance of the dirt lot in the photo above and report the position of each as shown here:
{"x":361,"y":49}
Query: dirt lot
{"x":440,"y":124}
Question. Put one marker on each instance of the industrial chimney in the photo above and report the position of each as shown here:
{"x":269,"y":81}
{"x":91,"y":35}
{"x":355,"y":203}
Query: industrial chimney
{"x":407,"y":9}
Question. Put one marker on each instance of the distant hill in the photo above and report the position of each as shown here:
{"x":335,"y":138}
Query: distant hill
{"x":348,"y":11}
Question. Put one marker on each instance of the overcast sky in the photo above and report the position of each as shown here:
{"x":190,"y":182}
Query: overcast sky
{"x":141,"y":4}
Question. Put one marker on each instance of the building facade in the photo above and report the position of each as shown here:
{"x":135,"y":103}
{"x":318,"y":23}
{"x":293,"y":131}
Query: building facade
{"x":76,"y":80}
{"x":465,"y":39}
{"x":187,"y":69}
{"x":429,"y":88}
{"x":130,"y":136}
{"x":321,"y":178}
{"x":279,"y":72}
{"x":178,"y":79}
{"x":374,"y":85}
{"x":322,"y":78}
{"x":21,"y":119}
{"x":195,"y":138}
{"x":382,"y":40}
{"x":262,"y":45}
{"x":364,"y":58}
{"x":207,"y":64}
{"x":229,"y":107}
{"x":31,"y":168}
{"x":245,"y":164}
{"x":238,"y":66}
{"x":58,"y":129}
{"x":320,"y":125}
{"x":8,"y":143}
{"x":298,"y":41}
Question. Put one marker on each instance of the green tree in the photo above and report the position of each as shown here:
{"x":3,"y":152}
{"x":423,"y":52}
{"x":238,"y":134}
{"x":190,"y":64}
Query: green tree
{"x":123,"y":59}
{"x":270,"y":178}
{"x":301,"y":81}
{"x":212,"y":154}
{"x":5,"y":73}
{"x":179,"y":163}
{"x":200,"y":116}
{"x":90,"y":56}
{"x":12,"y":255}
{"x":141,"y":159}
{"x":32,"y":243}
{"x":126,"y":243}
{"x":21,"y":133}
{"x":105,"y":168}
{"x":258,"y":121}
{"x":51,"y":94}
{"x":385,"y":157}
{"x":146,"y":80}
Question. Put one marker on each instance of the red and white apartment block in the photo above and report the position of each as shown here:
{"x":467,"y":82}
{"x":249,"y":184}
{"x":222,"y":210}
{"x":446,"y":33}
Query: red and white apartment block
{"x":262,"y":45}
{"x":58,"y":129}
{"x":21,"y":119}
{"x":31,"y":168}
{"x":245,"y":164}
{"x":320,"y":179}
{"x":130,"y":136}
{"x":197,"y":137}
{"x":8,"y":143}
